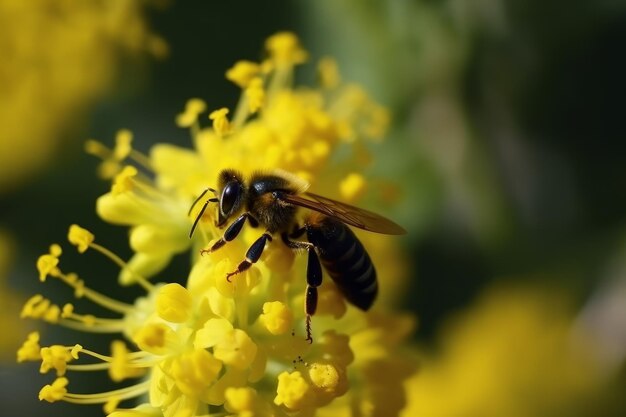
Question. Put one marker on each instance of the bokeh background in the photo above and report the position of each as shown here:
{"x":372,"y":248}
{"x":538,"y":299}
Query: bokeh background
{"x":507,"y":146}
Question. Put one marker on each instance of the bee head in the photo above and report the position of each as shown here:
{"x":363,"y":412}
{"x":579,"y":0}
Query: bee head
{"x":232,"y":193}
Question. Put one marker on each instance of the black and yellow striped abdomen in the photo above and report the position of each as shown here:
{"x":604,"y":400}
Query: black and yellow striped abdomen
{"x":345,"y":259}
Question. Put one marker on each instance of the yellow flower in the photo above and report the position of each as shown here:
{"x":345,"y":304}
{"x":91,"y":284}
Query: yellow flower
{"x":238,"y":346}
{"x":157,"y":218}
{"x":511,"y":354}
{"x":59,"y":57}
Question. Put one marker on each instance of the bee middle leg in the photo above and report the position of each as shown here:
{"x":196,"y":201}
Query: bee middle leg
{"x":313,"y":278}
{"x":252,"y":255}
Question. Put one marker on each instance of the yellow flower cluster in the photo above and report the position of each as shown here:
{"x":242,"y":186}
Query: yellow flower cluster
{"x":233,"y":347}
{"x":58,"y":56}
{"x":514,"y":353}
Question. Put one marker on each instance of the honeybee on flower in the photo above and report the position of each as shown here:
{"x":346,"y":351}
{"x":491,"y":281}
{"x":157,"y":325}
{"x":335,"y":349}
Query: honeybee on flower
{"x":214,"y":347}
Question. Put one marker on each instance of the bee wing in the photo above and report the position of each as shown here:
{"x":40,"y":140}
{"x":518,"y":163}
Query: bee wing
{"x":354,"y":216}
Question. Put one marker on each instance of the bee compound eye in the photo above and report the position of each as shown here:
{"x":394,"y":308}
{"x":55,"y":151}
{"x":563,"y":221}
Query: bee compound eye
{"x":230,"y":197}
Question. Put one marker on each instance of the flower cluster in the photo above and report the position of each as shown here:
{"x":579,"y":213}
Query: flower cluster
{"x":515,"y":343}
{"x":232,"y":347}
{"x":59,"y":56}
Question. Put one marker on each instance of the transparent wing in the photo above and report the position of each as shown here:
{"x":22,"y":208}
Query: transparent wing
{"x":354,"y":216}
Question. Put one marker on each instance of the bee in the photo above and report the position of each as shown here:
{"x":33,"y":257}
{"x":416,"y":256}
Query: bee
{"x":272,"y":201}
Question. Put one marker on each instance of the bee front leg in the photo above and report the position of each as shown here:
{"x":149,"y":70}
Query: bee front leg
{"x":252,"y":256}
{"x":230,"y":233}
{"x":313,"y":279}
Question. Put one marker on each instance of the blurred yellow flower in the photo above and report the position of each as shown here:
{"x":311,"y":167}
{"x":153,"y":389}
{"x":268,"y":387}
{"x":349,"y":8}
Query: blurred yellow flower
{"x":58,"y":57}
{"x":234,"y":347}
{"x":514,"y":355}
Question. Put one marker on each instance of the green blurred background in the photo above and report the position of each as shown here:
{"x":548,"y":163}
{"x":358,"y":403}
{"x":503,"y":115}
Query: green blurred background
{"x":507,"y":142}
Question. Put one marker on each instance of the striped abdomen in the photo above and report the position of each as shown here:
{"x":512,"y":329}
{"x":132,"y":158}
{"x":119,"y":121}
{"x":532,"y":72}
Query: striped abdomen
{"x":345,"y":259}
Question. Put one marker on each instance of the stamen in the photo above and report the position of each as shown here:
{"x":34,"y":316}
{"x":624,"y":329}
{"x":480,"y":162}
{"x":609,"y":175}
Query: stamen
{"x":105,"y":358}
{"x":89,"y":367}
{"x":141,"y":159}
{"x":92,"y":324}
{"x":97,"y":149}
{"x":242,"y":111}
{"x":94,"y":296}
{"x":221,"y":125}
{"x":143,"y":183}
{"x":102,"y":397}
{"x":123,"y":265}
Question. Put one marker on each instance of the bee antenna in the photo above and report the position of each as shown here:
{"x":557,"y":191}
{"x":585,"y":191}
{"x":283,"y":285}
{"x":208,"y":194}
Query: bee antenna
{"x":198,"y":199}
{"x":210,"y":200}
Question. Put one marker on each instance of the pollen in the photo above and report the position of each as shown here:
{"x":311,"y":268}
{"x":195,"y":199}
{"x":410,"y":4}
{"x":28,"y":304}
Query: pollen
{"x":79,"y":237}
{"x":38,"y":307}
{"x":47,"y":264}
{"x":55,"y":357}
{"x":328,"y":379}
{"x":277,"y":318}
{"x":285,"y":50}
{"x":221,"y":125}
{"x":243,"y":72}
{"x":293,"y":391}
{"x":76,"y":349}
{"x":30,"y":349}
{"x":189,"y":116}
{"x":67,"y":311}
{"x":174,"y":303}
{"x":54,"y":392}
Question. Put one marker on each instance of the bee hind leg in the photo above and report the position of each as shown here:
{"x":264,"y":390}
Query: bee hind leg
{"x":313,"y":279}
